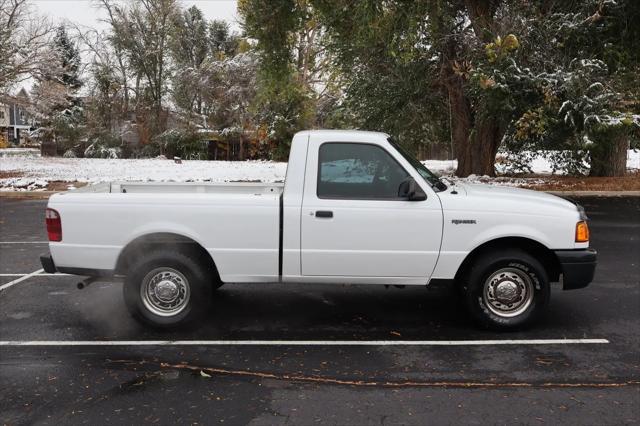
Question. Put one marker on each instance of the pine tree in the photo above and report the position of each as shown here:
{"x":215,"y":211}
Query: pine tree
{"x":58,"y":106}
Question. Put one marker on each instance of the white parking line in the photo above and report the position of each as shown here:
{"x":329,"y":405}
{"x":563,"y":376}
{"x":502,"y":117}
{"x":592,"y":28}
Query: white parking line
{"x":19,"y":280}
{"x":302,"y":342}
{"x":44,"y":274}
{"x":24,"y":242}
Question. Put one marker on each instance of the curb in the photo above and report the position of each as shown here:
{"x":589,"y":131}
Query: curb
{"x":36,"y":195}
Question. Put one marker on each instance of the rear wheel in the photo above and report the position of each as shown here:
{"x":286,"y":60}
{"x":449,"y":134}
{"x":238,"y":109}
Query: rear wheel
{"x":166,"y":288}
{"x":506,"y":290}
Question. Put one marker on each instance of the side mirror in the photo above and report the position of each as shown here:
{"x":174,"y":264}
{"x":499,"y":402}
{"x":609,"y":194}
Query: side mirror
{"x":410,"y":190}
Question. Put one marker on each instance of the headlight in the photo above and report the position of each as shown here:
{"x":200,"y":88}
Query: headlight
{"x":583,"y":214}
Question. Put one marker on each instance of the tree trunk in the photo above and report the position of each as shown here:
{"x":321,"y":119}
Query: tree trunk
{"x":483,"y":147}
{"x":475,"y":137}
{"x":460,"y":127}
{"x":475,"y":142}
{"x":609,"y":157}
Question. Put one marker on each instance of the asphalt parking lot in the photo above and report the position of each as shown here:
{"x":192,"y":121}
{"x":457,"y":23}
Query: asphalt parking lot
{"x":334,"y":383}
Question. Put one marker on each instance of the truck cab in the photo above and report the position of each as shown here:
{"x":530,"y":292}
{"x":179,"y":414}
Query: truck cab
{"x":358,"y":210}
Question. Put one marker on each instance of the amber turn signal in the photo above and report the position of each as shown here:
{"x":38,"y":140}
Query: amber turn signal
{"x":582,"y":232}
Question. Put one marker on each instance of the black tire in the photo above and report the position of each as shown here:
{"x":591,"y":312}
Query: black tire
{"x":525,"y":274}
{"x":179,"y":267}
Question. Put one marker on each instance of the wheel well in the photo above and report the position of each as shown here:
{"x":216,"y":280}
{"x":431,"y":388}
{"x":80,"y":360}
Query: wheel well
{"x":546,"y":256}
{"x":146,"y":243}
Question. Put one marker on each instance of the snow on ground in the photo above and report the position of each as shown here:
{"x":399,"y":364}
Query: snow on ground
{"x":6,"y":152}
{"x":39,"y":170}
{"x":633,"y":159}
{"x":35,"y":172}
{"x":539,"y":164}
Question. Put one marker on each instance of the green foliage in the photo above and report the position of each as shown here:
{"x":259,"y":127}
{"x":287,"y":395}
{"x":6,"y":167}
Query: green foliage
{"x":388,"y":68}
{"x":500,"y":49}
{"x":272,"y":23}
{"x":150,"y":150}
{"x":471,"y":77}
{"x":69,"y":59}
{"x":294,"y":84}
{"x":286,"y":108}
{"x":188,"y":41}
{"x":181,"y":143}
{"x":580,"y":62}
{"x":105,"y":103}
{"x":500,"y":87}
{"x":221,"y":41}
{"x":68,"y":126}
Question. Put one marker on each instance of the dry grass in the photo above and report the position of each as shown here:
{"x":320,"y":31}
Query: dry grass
{"x":58,"y":185}
{"x":10,"y":174}
{"x":631,"y":182}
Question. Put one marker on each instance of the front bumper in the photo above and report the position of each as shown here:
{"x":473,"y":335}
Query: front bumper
{"x":47,"y":264}
{"x":578,"y":267}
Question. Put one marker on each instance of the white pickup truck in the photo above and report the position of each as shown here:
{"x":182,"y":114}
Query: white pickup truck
{"x":355,"y":208}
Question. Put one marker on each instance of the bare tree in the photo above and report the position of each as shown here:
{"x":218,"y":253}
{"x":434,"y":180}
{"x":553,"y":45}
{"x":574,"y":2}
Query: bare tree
{"x":106,"y":80}
{"x":24,"y":43}
{"x":141,"y":32}
{"x":120,"y":61}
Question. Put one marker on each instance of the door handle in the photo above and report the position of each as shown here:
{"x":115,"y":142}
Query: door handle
{"x":324,"y":214}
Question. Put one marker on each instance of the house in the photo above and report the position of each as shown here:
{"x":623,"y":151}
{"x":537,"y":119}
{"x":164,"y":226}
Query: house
{"x":4,"y":125}
{"x":15,"y":121}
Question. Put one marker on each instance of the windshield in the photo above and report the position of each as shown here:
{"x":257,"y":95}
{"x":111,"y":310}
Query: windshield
{"x":427,"y":174}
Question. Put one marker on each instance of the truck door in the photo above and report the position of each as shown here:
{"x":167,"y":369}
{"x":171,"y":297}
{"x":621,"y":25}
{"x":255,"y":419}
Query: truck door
{"x":355,"y":224}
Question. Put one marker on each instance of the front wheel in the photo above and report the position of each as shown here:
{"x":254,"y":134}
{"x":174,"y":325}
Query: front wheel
{"x":167,"y":288}
{"x":506,"y":290}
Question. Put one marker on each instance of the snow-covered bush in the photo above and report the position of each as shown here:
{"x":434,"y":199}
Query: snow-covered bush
{"x":100,"y":151}
{"x":104,"y":146}
{"x":69,"y":154}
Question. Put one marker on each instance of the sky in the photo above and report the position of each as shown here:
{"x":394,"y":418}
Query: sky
{"x":84,"y":12}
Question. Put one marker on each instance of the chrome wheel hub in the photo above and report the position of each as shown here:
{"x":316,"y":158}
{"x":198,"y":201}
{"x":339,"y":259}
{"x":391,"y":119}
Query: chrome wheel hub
{"x":165,"y":291}
{"x":508,"y":292}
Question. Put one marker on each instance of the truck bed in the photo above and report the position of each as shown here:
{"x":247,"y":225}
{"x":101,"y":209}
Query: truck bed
{"x":237,"y":223}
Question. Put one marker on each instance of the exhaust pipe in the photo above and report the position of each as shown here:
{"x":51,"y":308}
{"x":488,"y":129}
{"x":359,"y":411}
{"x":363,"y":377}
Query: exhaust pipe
{"x":86,"y":282}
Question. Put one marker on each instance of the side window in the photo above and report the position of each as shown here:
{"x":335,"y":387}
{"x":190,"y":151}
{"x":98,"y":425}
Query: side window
{"x":358,"y":171}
